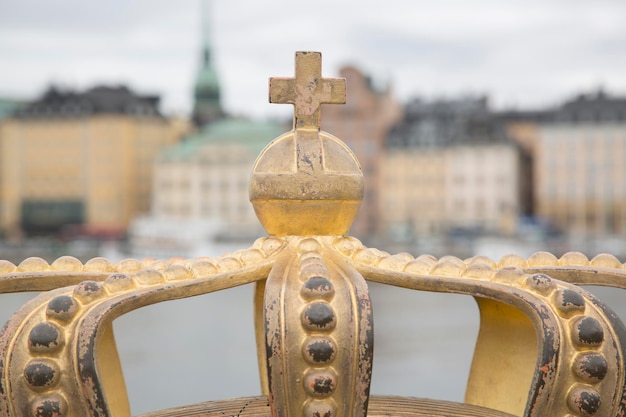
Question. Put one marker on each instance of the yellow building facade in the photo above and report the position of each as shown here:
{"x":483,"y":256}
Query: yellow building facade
{"x":80,"y":159}
{"x":449,"y":166}
{"x":413,"y":192}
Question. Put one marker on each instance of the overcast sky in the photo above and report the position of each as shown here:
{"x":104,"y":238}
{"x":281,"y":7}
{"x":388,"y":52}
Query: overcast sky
{"x":521,"y":53}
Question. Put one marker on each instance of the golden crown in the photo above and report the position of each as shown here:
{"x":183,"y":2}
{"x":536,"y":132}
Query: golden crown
{"x":546,"y":347}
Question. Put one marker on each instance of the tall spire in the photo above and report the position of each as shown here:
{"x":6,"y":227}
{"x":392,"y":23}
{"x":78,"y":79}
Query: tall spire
{"x":205,"y":9}
{"x":207,"y":106}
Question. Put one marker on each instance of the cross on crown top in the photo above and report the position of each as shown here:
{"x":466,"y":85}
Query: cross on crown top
{"x":308,"y":90}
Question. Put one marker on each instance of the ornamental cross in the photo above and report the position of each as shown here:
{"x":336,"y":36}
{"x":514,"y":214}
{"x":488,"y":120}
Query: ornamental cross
{"x":308,"y":90}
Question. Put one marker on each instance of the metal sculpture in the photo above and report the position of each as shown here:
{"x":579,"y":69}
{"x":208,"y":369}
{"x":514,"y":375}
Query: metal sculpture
{"x":546,"y":347}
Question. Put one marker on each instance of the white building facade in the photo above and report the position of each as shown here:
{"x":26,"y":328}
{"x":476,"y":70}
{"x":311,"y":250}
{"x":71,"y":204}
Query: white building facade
{"x":482,"y":187}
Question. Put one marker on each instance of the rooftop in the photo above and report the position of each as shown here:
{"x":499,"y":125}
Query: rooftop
{"x":252,"y":134}
{"x":446,"y":122}
{"x":120,"y":99}
{"x":594,"y":107}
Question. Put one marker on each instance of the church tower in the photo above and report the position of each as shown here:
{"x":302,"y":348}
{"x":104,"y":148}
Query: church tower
{"x":206,"y":93}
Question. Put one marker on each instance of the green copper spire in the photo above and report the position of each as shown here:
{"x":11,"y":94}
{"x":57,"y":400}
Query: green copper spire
{"x":207,"y":106}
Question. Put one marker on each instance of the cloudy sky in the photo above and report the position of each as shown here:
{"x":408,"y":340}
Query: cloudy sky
{"x":521,"y":53}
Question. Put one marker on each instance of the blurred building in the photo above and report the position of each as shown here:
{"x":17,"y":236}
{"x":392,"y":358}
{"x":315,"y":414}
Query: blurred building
{"x":80,"y":158}
{"x":523,"y":128}
{"x":363,"y":123}
{"x":8,"y":106}
{"x":449,"y":165}
{"x":580,"y":167}
{"x":206,"y":176}
{"x":482,"y":186}
{"x":200,"y":192}
{"x":200,"y":196}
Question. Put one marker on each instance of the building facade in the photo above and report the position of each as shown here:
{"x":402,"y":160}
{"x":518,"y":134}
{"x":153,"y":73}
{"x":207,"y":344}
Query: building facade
{"x":580,"y":167}
{"x":200,"y":191}
{"x":412,"y":193}
{"x":206,"y":176}
{"x":363,"y":124}
{"x":481,"y":187}
{"x":80,"y":158}
{"x":449,"y":165}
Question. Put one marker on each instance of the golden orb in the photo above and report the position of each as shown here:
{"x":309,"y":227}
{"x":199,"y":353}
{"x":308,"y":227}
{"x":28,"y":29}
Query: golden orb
{"x":306,"y":183}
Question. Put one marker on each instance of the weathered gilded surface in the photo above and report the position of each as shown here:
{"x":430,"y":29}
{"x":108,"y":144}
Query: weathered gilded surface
{"x":546,"y":347}
{"x":317,"y":311}
{"x":308,"y":90}
{"x":59,"y":355}
{"x":536,"y":332}
{"x":319,"y":331}
{"x":306,"y":182}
